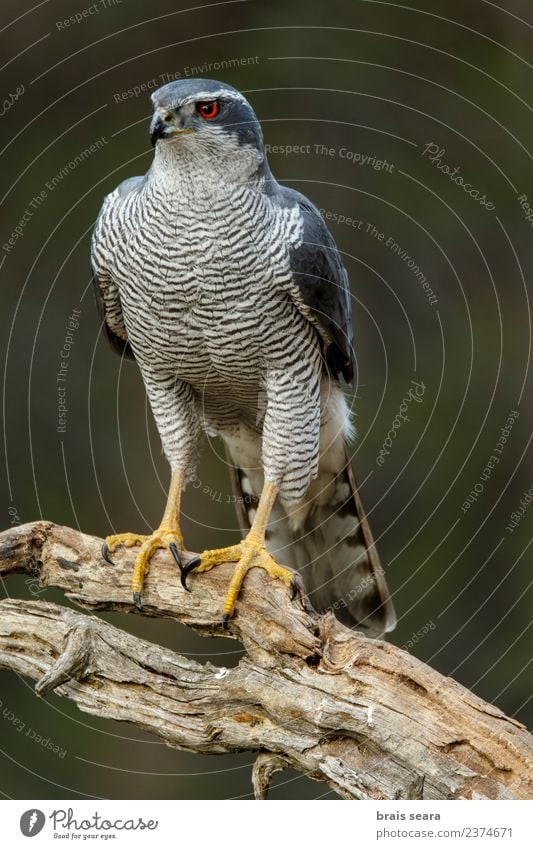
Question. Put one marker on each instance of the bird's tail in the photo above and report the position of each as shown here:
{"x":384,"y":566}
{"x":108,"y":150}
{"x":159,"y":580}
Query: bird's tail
{"x":328,"y":539}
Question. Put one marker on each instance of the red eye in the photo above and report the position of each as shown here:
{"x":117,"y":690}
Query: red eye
{"x":208,"y":109}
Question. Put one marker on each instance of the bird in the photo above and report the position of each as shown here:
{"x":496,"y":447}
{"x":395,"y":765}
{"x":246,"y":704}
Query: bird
{"x":228,"y":290}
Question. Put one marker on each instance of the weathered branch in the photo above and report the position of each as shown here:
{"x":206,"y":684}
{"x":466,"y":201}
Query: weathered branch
{"x":361,"y":715}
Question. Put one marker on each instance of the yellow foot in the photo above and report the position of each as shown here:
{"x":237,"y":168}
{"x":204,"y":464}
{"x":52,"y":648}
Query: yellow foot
{"x":247,"y":554}
{"x":168,"y":538}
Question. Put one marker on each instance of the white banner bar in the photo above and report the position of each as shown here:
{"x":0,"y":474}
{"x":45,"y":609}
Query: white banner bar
{"x":241,"y":825}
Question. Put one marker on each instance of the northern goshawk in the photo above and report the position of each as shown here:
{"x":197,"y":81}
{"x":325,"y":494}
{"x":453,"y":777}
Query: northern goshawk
{"x":229,"y":292}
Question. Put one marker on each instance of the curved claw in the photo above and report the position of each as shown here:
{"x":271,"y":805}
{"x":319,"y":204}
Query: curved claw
{"x":173,"y":548}
{"x":298,"y":591}
{"x":137,"y":600}
{"x":225,"y":621}
{"x":186,"y":570}
{"x":294,"y":589}
{"x":105,"y":553}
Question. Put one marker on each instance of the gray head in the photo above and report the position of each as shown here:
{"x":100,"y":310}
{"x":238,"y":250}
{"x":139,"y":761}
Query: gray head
{"x":207,"y":115}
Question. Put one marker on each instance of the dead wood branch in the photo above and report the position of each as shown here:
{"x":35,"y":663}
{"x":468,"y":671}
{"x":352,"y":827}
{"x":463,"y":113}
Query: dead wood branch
{"x":362,"y":715}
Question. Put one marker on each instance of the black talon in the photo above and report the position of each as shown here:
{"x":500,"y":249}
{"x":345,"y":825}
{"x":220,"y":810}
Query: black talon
{"x":105,"y":553}
{"x":294,"y":589}
{"x":137,"y":600}
{"x":297,"y":588}
{"x":186,"y":570}
{"x":298,"y":591}
{"x":225,"y":621}
{"x":176,"y":555}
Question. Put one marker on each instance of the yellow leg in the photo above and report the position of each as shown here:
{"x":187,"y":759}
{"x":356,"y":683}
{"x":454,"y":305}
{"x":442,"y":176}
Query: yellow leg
{"x":247,"y":554}
{"x":168,"y":535}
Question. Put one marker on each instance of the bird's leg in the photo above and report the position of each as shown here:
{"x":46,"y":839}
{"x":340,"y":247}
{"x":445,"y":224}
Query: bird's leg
{"x":248,"y":553}
{"x":168,"y":535}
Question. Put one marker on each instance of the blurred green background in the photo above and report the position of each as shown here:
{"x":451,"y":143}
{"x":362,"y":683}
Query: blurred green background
{"x":351,"y":79}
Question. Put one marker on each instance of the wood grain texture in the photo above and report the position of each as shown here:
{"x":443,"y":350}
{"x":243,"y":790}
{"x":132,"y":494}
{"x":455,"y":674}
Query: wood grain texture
{"x":362,"y":715}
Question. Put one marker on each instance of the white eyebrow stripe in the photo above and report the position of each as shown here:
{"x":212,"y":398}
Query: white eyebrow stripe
{"x":223,"y":94}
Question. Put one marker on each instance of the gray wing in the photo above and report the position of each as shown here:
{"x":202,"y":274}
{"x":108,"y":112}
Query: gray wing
{"x":323,"y":286}
{"x":110,"y":313}
{"x":106,"y":292}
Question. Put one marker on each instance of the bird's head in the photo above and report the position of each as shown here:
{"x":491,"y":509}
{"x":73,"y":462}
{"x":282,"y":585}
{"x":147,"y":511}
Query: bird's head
{"x":206,"y":118}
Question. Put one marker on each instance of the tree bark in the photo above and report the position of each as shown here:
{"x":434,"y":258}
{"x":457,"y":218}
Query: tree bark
{"x":362,"y":715}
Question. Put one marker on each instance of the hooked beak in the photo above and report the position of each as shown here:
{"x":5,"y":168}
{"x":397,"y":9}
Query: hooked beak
{"x":160,"y":129}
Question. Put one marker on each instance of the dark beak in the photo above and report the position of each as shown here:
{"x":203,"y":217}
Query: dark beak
{"x":157,"y":129}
